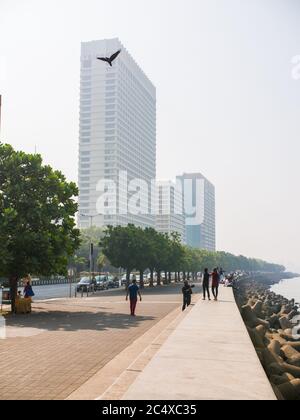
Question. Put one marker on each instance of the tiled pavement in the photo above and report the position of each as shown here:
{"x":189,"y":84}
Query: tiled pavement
{"x":52,"y":352}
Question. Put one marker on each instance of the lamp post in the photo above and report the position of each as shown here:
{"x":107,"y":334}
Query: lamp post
{"x":91,"y":216}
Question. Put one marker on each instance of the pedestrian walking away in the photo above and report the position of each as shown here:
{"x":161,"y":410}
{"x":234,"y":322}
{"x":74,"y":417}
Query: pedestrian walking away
{"x":215,"y":283}
{"x":133,"y":292}
{"x":187,"y":295}
{"x":205,"y":284}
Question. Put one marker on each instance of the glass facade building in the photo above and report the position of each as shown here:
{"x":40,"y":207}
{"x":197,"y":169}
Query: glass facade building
{"x":117,"y":134}
{"x":200,"y":213}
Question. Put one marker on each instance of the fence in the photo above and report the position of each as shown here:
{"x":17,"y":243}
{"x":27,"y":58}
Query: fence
{"x":50,"y":282}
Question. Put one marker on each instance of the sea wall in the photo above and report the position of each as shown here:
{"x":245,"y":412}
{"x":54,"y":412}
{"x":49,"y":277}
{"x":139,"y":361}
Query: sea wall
{"x":273,"y":323}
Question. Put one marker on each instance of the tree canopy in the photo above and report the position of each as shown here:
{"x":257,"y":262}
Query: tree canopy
{"x":133,"y":248}
{"x":37,"y":216}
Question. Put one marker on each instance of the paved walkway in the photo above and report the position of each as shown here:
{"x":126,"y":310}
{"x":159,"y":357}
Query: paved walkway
{"x":92,"y":349}
{"x":208,"y":356}
{"x":64,"y":343}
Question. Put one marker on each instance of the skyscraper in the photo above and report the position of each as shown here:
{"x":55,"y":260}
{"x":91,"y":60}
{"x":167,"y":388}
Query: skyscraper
{"x":169,"y":209}
{"x":117,"y":141}
{"x":199,"y":205}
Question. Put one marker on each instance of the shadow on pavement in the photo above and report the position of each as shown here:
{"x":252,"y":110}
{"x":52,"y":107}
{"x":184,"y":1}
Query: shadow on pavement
{"x":75,"y":321}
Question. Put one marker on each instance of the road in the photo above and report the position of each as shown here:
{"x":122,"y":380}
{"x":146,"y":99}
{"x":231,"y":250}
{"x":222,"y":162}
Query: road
{"x":55,"y":291}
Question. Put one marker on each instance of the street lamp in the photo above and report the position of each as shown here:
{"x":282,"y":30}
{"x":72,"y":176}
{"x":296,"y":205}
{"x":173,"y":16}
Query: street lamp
{"x":91,"y":216}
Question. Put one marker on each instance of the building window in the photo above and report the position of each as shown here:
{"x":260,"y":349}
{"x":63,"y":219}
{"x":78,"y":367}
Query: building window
{"x":85,"y":115}
{"x":86,"y":64}
{"x":86,"y":109}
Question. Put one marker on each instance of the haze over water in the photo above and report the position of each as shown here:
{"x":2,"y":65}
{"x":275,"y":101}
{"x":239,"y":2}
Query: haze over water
{"x":289,"y":288}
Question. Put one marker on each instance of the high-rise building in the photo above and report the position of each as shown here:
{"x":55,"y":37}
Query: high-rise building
{"x":117,"y":136}
{"x":200,"y":216}
{"x":169,"y":209}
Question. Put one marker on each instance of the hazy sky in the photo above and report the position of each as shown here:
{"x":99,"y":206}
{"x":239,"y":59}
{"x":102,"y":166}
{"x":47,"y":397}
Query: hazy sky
{"x":227,"y":103}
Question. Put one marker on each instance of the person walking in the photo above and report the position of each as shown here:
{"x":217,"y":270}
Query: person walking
{"x":187,"y":295}
{"x":133,"y":291}
{"x":215,"y":283}
{"x":205,"y":284}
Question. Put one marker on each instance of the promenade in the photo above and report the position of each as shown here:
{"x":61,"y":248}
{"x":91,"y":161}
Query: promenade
{"x":209,"y":356}
{"x":65,"y":342}
{"x":91,"y":348}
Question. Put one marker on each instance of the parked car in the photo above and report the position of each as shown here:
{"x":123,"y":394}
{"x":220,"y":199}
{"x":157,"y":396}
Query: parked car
{"x":149,"y":277}
{"x":85,"y":284}
{"x":101,"y":282}
{"x":113,"y":282}
{"x":146,"y":279}
{"x":132,"y":276}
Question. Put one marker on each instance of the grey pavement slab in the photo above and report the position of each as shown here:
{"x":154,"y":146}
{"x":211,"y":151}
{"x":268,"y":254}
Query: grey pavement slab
{"x":208,"y":357}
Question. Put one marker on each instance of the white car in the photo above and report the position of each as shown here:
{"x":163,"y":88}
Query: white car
{"x":124,"y":278}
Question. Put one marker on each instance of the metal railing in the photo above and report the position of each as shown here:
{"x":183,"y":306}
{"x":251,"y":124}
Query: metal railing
{"x":50,"y":282}
{"x":85,"y":290}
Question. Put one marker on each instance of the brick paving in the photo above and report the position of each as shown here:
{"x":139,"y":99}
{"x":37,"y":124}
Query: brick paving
{"x":52,"y":352}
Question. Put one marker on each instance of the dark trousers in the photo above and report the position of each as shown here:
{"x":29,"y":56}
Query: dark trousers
{"x":206,"y":290}
{"x":133,"y":303}
{"x":186,"y":301}
{"x":215,"y":291}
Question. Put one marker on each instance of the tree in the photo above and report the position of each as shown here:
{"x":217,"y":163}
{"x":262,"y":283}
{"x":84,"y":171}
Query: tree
{"x":78,"y":263}
{"x":143,"y":253}
{"x":37,"y":211}
{"x":87,"y":236}
{"x":151,"y":237}
{"x":176,"y":257}
{"x":162,"y":255}
{"x":131,"y":248}
{"x":121,"y":246}
{"x":102,"y":261}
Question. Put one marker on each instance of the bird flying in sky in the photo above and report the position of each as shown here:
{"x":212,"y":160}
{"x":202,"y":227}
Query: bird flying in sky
{"x":109,"y":60}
